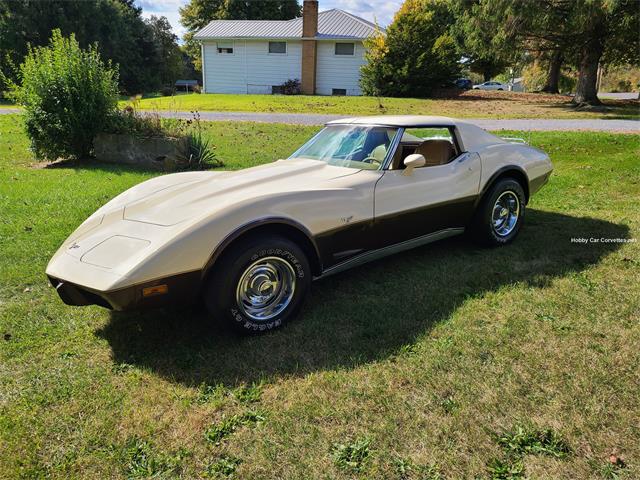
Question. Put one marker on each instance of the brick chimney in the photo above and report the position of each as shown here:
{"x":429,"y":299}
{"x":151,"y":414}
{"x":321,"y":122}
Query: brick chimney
{"x":309,"y":46}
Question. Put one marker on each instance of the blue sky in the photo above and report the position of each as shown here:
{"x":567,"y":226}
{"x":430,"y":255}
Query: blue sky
{"x":374,"y":10}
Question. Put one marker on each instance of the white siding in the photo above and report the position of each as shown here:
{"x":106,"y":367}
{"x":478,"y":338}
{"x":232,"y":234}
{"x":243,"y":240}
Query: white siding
{"x":338,"y":71}
{"x":251,"y":68}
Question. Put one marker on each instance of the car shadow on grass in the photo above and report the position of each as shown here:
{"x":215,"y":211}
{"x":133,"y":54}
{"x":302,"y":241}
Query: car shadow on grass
{"x":362,"y":315}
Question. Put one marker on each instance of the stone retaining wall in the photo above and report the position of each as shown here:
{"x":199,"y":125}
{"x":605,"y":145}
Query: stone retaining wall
{"x":156,"y":152}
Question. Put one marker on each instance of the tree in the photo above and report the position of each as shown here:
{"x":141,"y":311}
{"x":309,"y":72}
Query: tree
{"x":540,"y":28}
{"x":606,"y":31}
{"x":552,"y":85}
{"x":198,"y":13}
{"x":588,"y":32}
{"x":478,"y":29}
{"x":416,"y":56}
{"x":115,"y":25}
{"x":170,"y":63}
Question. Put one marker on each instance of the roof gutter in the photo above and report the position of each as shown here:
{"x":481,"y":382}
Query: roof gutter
{"x":319,"y":38}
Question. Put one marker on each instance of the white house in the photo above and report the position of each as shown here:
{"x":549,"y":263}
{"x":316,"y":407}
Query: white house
{"x":323,"y":50}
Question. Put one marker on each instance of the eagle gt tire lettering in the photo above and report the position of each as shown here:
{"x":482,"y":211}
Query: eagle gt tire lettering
{"x":258,"y":284}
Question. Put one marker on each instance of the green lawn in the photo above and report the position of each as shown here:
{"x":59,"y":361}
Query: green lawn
{"x":472,"y":104}
{"x":449,"y":361}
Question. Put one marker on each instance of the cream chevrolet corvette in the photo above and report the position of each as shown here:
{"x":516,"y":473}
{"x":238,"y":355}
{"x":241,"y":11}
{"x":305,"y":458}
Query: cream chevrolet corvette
{"x":249,"y":242}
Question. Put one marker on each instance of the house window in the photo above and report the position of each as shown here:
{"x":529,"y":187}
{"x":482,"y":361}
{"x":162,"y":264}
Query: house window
{"x":345,"y":48}
{"x":277,"y":89}
{"x":278,"y":47}
{"x":225,"y":47}
{"x":339,"y":91}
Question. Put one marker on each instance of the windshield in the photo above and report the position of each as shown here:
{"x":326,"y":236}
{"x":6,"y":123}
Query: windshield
{"x":353,"y":146}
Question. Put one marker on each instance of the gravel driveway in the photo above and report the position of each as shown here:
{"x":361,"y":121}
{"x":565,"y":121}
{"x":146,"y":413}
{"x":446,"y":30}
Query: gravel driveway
{"x":629,"y":126}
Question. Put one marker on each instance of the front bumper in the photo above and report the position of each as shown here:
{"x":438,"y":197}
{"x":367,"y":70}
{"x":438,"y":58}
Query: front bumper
{"x":182,"y":289}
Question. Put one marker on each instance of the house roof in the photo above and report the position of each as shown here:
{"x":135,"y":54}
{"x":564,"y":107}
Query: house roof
{"x":332,"y":24}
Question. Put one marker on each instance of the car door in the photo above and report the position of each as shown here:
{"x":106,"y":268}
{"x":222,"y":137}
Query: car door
{"x":431,"y":199}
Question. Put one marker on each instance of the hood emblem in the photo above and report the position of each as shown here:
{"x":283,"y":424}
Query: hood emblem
{"x":74,"y":245}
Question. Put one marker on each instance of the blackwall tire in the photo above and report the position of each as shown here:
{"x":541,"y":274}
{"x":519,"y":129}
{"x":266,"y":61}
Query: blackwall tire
{"x":500,"y":214}
{"x":258,"y":284}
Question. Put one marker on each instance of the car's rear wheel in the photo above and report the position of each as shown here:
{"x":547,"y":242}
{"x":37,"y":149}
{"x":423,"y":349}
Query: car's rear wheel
{"x":258,"y":284}
{"x":500,"y":214}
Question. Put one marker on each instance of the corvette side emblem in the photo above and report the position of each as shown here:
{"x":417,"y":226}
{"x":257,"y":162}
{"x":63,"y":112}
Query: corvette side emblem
{"x":346,"y":219}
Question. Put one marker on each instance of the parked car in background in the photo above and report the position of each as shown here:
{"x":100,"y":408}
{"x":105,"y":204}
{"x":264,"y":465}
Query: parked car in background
{"x":249,"y":242}
{"x":463,"y":83}
{"x":491,"y":86}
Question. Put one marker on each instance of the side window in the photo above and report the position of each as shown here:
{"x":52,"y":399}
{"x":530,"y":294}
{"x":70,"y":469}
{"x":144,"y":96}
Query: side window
{"x":345,"y":49}
{"x":437,"y":145}
{"x":278,"y":47}
{"x":430,"y":132}
{"x":225,"y":47}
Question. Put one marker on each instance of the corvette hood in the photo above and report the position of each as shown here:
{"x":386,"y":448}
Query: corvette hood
{"x":195,"y":193}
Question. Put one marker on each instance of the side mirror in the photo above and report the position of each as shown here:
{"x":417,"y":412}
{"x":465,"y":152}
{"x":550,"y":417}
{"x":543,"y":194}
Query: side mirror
{"x":413,"y":161}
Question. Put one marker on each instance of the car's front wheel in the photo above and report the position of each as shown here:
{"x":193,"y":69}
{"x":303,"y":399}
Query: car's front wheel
{"x":500,"y":214}
{"x":258,"y":284}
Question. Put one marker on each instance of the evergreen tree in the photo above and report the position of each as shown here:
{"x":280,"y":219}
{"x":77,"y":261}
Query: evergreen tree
{"x":417,"y":55}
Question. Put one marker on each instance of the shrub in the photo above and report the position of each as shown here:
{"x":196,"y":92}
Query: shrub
{"x":200,"y":150}
{"x":291,"y":87}
{"x":68,"y":95}
{"x":129,"y":122}
{"x":167,"y":91}
{"x":624,"y":86}
{"x":196,"y":89}
{"x":534,"y":77}
{"x":200,"y":153}
{"x":567,"y":82}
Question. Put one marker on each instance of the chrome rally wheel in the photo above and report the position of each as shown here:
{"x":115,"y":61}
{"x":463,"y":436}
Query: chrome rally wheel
{"x":500,"y":213}
{"x":506,"y":211}
{"x":266,"y":288}
{"x":259,"y":283}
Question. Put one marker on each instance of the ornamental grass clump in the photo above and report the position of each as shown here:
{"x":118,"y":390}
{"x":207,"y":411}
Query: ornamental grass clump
{"x":68,"y":94}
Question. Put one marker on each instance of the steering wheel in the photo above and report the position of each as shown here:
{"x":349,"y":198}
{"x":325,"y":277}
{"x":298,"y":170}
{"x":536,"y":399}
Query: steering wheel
{"x":372,"y":160}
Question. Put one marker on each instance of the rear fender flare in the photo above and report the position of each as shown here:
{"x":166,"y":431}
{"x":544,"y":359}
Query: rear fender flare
{"x":520,"y":174}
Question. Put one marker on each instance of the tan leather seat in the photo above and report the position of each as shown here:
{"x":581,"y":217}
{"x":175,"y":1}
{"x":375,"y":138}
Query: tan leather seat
{"x":436,"y":152}
{"x":379,"y":153}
